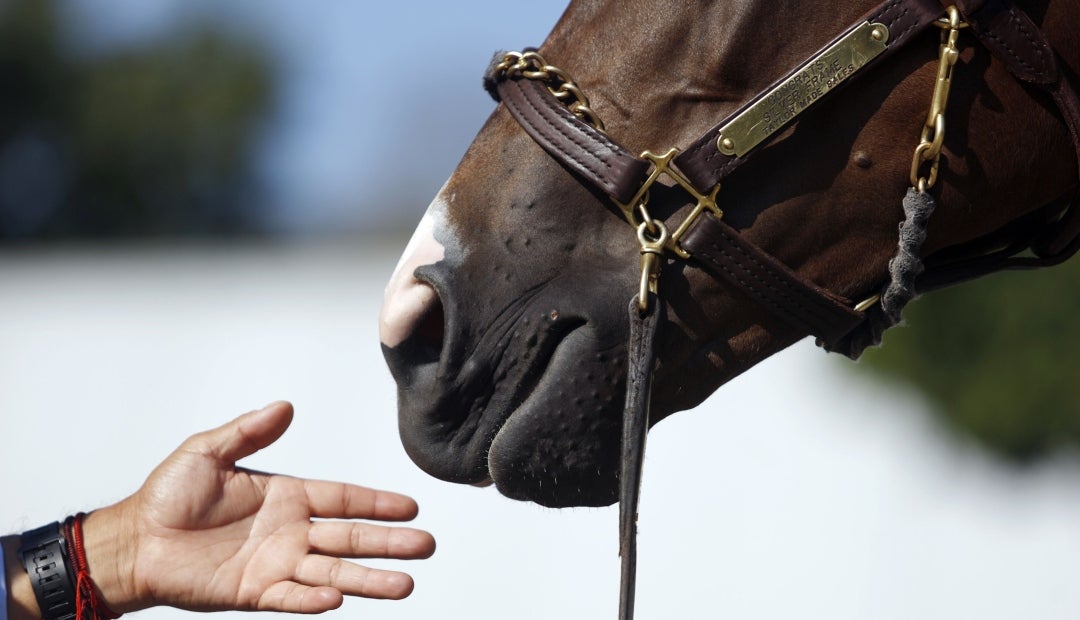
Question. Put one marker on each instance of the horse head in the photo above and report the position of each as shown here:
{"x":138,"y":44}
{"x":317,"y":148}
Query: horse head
{"x":504,"y":323}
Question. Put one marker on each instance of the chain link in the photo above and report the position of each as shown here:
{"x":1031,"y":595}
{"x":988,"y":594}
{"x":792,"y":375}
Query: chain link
{"x":532,"y":66}
{"x":928,"y":153}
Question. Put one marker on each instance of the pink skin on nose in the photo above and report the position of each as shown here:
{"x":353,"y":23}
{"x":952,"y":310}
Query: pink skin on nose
{"x":407,"y":299}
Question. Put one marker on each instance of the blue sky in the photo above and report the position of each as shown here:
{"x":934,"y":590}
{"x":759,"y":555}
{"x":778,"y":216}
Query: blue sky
{"x":377,"y":100}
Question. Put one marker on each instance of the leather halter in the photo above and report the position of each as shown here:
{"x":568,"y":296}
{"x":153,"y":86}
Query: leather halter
{"x":1006,"y":31}
{"x":719,"y":249}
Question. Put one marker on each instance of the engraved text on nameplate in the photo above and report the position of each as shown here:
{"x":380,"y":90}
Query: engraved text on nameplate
{"x":822,"y":73}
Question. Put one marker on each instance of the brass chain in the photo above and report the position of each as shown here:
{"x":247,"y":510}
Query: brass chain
{"x":653,"y":235}
{"x":933,"y":132}
{"x":532,"y":66}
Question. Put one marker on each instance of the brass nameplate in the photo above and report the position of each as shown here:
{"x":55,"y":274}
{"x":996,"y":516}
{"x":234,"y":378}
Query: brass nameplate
{"x":822,"y":73}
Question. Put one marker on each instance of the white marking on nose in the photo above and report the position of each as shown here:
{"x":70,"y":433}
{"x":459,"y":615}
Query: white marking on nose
{"x":407,"y":299}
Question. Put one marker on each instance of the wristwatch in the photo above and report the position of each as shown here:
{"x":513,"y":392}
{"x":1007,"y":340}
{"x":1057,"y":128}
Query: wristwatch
{"x":43,"y":552}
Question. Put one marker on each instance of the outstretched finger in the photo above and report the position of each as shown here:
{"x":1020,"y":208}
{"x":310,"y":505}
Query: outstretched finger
{"x":291,"y":597}
{"x":353,"y":579}
{"x":339,"y":500}
{"x":365,"y":540}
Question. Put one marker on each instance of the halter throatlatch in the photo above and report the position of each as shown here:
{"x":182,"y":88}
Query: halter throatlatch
{"x":557,"y":115}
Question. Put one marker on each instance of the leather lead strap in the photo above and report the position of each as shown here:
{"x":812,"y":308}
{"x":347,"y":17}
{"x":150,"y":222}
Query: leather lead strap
{"x":641,"y":357}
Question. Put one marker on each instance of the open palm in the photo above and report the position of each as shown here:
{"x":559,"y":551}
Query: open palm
{"x":211,"y":536}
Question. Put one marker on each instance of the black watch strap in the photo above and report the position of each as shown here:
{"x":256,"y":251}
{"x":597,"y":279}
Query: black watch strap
{"x":43,"y":552}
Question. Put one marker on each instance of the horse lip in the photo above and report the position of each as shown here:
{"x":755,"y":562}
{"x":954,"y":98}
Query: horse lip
{"x":523,"y":388}
{"x":445,"y":431}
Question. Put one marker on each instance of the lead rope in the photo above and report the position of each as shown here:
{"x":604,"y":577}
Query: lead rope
{"x":641,"y":358}
{"x":904,"y":269}
{"x":906,"y":266}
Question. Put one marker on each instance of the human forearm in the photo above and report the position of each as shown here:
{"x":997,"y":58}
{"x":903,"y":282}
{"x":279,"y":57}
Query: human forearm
{"x":21,"y":604}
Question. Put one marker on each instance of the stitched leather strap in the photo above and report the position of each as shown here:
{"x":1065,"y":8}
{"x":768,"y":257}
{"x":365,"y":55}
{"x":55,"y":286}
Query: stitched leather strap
{"x":641,"y":357}
{"x":705,"y":166}
{"x":574,"y":143}
{"x":1010,"y":35}
{"x":728,"y":256}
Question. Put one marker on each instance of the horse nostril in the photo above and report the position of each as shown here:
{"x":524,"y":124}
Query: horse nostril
{"x":411,"y":307}
{"x":430,"y":327}
{"x":411,"y":311}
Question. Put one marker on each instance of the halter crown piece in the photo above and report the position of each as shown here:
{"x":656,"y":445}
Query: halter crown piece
{"x":557,"y":115}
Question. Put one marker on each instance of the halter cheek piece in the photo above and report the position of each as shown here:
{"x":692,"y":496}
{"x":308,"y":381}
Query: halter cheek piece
{"x":556,"y":114}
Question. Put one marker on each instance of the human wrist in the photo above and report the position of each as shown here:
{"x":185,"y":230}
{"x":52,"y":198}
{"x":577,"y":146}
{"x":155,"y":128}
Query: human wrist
{"x":110,"y":542}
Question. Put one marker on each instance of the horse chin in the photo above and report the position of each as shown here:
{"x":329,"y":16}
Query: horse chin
{"x":528,"y":467}
{"x":560,"y":447}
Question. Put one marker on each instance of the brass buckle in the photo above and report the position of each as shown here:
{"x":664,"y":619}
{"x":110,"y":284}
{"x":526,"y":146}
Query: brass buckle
{"x":636,"y":211}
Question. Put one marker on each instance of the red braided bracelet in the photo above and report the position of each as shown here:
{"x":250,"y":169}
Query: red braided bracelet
{"x":88,"y":602}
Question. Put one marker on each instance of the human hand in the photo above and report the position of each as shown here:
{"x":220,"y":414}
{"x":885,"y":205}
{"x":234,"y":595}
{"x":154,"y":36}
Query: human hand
{"x":203,"y":534}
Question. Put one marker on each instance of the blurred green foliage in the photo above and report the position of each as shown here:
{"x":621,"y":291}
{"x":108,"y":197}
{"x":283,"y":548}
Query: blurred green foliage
{"x":999,"y":357}
{"x":148,"y":141}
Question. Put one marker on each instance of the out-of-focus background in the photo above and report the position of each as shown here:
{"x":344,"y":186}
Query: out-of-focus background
{"x":200,"y":203}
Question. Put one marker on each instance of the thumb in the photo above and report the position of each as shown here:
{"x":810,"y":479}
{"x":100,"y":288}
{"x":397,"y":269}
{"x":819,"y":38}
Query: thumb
{"x":248,"y":433}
